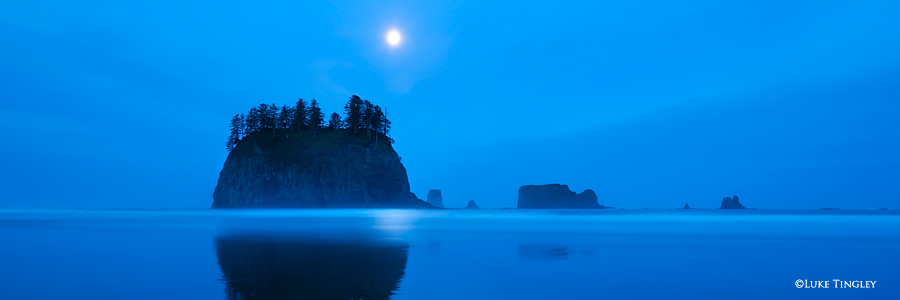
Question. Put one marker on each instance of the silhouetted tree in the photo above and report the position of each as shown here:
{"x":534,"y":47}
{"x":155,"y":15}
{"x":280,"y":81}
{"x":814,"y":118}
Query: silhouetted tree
{"x":368,"y":116}
{"x":335,"y":121}
{"x":353,"y":111}
{"x":273,"y":117}
{"x":301,"y":119}
{"x":262,"y":112}
{"x":235,"y":136}
{"x":243,"y":127}
{"x":386,"y":126}
{"x":251,"y":123}
{"x":377,"y":122}
{"x":315,"y":116}
{"x":285,"y":117}
{"x":359,"y":115}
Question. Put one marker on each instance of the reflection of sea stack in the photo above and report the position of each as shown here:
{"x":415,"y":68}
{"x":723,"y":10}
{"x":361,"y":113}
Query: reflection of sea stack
{"x":731,"y":203}
{"x":471,"y":205}
{"x":434,"y":198}
{"x":299,"y":269}
{"x":686,"y":206}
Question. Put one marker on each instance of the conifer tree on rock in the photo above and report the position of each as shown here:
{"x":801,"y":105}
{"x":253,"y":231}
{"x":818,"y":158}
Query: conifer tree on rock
{"x":334,"y":122}
{"x":235,"y":137}
{"x":315,"y":116}
{"x":301,"y":118}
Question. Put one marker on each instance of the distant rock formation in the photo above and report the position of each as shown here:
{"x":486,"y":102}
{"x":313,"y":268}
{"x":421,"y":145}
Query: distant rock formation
{"x":333,"y":168}
{"x":829,"y":208}
{"x":555,"y":196}
{"x":686,"y":206}
{"x":472,"y":205}
{"x":731,"y":203}
{"x":434,"y":198}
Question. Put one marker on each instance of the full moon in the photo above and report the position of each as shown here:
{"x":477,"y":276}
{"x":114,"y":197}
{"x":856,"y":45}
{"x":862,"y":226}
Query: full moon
{"x":393,"y":38}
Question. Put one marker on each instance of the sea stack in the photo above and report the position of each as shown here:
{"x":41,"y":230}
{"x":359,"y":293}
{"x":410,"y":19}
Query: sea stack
{"x":555,"y":196}
{"x":326,"y":169}
{"x":731,"y":203}
{"x":434,"y":198}
{"x":472,"y":205}
{"x":686,"y":206}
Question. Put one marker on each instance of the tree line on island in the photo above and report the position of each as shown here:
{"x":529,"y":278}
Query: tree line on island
{"x":359,"y":116}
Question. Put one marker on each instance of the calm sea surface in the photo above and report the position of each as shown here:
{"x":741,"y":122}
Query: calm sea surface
{"x":448,"y":254}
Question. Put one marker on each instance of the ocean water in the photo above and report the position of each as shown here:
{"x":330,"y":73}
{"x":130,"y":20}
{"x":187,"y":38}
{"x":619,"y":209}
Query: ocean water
{"x":449,"y":254}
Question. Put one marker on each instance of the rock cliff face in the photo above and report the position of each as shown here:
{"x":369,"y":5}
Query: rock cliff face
{"x":731,"y":203}
{"x":434,"y":198}
{"x":555,"y":196}
{"x":330,"y":169}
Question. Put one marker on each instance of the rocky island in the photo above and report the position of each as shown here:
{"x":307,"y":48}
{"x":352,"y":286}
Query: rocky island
{"x":285,"y":158}
{"x":731,"y":203}
{"x":472,"y":205}
{"x":556,"y":196}
{"x":434,"y":198}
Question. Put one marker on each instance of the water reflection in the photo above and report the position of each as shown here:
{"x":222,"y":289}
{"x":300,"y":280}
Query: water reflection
{"x":302,"y":268}
{"x":543,"y":252}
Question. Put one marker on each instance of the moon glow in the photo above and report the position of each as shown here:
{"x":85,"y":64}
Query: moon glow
{"x":393,"y":38}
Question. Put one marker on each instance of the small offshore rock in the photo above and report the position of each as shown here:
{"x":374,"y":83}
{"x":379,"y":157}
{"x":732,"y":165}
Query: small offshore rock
{"x":434,"y":198}
{"x":555,"y":196}
{"x":471,"y":205}
{"x":731,"y":203}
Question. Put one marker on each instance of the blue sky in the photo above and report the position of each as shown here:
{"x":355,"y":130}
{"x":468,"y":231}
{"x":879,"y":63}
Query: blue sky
{"x":788,"y":104}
